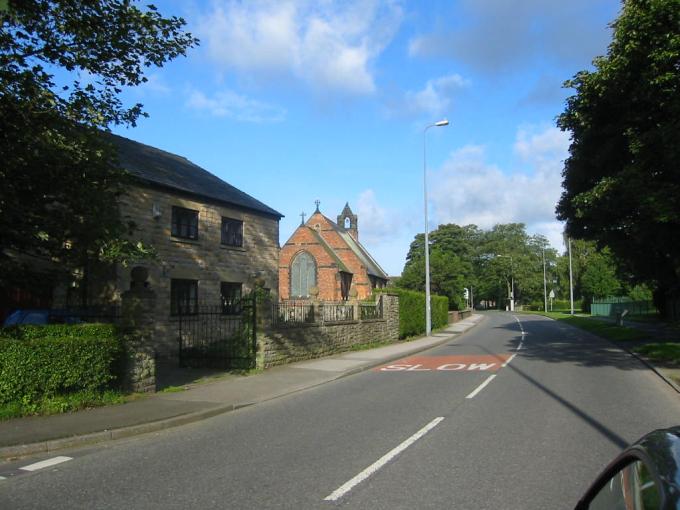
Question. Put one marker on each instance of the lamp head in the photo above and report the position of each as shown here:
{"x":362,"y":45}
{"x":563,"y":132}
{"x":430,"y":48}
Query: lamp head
{"x":442,"y":123}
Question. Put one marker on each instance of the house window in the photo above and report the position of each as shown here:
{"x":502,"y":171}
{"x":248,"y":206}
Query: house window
{"x":183,"y":297}
{"x":302,"y":275}
{"x":231,"y":298}
{"x":184,"y":223}
{"x":232,"y":232}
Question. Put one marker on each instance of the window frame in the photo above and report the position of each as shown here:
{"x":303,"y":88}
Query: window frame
{"x":223,"y":233}
{"x":190,"y":308}
{"x":314,"y":272}
{"x":235,"y":307}
{"x":178,"y":213}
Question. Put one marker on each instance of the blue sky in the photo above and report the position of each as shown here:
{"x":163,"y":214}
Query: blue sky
{"x":304,"y":100}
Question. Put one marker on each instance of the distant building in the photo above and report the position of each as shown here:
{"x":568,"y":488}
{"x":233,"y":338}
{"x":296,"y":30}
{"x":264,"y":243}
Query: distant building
{"x":325,"y":259}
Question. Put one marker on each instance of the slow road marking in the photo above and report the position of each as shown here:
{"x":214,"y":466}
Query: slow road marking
{"x":345,"y":488}
{"x":460,"y":363}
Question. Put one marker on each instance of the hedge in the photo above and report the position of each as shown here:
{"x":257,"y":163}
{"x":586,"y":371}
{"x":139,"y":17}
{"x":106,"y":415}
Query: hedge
{"x":412,"y":311}
{"x":43,"y":361}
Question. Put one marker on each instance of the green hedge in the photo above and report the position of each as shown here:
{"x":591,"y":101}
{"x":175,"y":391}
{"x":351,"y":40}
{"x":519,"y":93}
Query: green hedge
{"x":412,"y":311}
{"x":43,"y":361}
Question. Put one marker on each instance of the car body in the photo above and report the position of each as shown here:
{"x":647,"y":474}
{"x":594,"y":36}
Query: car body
{"x":645,"y":475}
{"x":40,"y":317}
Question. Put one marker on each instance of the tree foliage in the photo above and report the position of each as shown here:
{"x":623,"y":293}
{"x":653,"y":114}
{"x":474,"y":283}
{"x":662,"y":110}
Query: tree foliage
{"x":63,"y":66}
{"x":622,"y":178}
{"x":487,"y":262}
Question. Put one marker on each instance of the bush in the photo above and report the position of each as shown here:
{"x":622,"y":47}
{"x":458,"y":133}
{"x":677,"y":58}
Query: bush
{"x":38,"y":362}
{"x":412,"y":311}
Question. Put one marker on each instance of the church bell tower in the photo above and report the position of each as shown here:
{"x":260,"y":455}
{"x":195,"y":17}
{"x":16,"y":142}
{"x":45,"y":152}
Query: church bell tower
{"x":348,"y":221}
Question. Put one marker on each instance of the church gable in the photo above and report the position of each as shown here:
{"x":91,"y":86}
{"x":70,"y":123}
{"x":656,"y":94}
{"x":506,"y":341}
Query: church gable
{"x":338,"y":260}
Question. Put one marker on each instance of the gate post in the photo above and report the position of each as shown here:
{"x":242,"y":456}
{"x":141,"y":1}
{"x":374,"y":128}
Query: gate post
{"x":138,"y":325}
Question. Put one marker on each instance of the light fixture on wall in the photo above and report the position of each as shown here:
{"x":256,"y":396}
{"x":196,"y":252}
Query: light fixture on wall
{"x":156,"y":211}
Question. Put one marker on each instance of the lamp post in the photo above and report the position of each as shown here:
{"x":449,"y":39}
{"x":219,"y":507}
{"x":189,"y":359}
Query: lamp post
{"x":545,"y":285}
{"x":428,"y":310}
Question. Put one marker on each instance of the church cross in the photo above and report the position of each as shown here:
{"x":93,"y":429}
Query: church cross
{"x":317,"y":202}
{"x":302,"y":215}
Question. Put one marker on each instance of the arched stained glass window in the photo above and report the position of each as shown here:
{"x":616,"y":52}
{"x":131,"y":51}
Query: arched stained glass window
{"x":302,"y":275}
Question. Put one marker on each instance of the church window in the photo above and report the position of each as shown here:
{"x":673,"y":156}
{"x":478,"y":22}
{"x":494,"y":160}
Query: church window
{"x":348,"y":223}
{"x":302,"y":275}
{"x":345,"y":284}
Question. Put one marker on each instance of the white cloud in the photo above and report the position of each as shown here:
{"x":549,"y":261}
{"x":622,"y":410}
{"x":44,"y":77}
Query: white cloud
{"x":376,"y":223}
{"x":502,"y":36}
{"x":468,"y":189}
{"x":329,"y":45}
{"x":433,"y":99}
{"x":230,"y":104}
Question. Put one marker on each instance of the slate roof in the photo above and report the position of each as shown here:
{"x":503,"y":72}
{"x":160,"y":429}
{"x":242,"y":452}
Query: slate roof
{"x":372,"y":267}
{"x":168,"y":170}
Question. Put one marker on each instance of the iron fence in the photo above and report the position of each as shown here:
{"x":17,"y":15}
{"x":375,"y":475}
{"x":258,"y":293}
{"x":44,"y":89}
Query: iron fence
{"x":368,"y":311}
{"x":609,"y":307}
{"x":337,"y":312}
{"x":212,"y":338}
{"x":293,"y":312}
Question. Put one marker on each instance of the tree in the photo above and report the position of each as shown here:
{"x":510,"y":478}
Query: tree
{"x":63,"y":66}
{"x":622,"y":178}
{"x":452,"y":250}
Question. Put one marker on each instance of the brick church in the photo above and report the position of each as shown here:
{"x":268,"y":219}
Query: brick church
{"x":327,"y":257}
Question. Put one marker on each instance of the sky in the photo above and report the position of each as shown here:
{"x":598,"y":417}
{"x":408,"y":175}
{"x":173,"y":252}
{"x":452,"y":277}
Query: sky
{"x":293,"y":102}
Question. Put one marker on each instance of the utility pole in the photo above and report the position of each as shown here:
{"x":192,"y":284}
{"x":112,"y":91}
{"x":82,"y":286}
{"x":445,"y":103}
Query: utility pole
{"x":571,"y":278}
{"x":545,"y":286}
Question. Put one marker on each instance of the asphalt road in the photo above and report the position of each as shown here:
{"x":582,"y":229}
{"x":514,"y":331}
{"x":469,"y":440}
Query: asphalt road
{"x":519,"y":413}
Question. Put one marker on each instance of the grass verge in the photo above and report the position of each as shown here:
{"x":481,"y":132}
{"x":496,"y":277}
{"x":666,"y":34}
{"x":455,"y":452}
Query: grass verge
{"x":660,"y":351}
{"x":61,"y":404}
{"x":601,"y":328}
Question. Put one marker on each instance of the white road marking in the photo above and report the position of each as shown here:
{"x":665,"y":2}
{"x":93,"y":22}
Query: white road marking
{"x":3,"y":478}
{"x":344,"y":489}
{"x":46,"y":463}
{"x":521,"y":328}
{"x":481,"y":387}
{"x":509,"y":360}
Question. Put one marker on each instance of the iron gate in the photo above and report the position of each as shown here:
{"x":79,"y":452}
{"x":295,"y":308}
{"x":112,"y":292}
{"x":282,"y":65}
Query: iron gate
{"x":219,"y":336}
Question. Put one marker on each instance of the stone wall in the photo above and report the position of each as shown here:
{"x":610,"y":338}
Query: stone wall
{"x":455,"y":315}
{"x":289,"y":343}
{"x":204,"y":259}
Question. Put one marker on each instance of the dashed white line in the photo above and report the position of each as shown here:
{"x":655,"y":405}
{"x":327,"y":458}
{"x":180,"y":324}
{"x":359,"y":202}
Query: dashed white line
{"x":46,"y":463}
{"x":344,"y":489}
{"x":2,"y":478}
{"x":524,"y":333}
{"x":509,"y":360}
{"x":481,"y":387}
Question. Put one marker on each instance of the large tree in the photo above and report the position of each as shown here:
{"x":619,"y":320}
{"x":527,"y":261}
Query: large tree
{"x":63,"y":67}
{"x":622,"y":178}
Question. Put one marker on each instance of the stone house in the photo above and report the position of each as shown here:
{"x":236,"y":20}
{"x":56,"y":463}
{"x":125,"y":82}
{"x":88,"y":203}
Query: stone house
{"x":325,"y":259}
{"x":213,"y":240}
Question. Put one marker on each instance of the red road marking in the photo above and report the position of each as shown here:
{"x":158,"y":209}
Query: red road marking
{"x":462,"y":363}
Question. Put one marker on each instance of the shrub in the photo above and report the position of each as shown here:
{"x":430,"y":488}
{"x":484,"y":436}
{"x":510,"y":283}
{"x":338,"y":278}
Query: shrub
{"x":43,"y":361}
{"x":412,"y":311}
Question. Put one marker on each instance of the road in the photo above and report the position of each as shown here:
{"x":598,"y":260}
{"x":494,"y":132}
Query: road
{"x":519,"y":413}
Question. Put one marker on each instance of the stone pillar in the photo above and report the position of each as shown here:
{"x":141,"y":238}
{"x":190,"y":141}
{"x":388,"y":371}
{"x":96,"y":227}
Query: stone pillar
{"x":138,"y":325}
{"x":354,"y":302}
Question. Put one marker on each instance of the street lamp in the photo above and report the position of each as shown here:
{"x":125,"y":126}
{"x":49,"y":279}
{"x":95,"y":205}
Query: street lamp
{"x":428,"y":310}
{"x":545,"y":285}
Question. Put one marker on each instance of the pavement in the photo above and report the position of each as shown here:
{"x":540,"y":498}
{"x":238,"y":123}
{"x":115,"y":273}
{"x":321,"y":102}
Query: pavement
{"x":39,"y":434}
